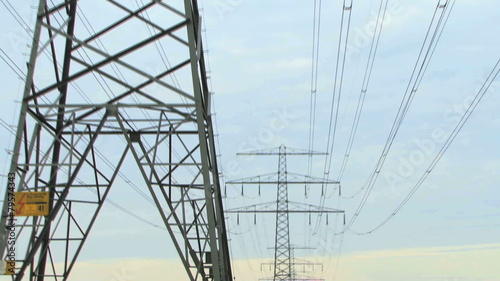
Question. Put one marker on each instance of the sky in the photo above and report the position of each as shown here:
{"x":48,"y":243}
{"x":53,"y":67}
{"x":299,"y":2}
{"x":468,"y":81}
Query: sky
{"x":260,"y":59}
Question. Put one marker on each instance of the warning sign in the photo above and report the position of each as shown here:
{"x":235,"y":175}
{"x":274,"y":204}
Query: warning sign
{"x":10,"y":268}
{"x":32,"y":203}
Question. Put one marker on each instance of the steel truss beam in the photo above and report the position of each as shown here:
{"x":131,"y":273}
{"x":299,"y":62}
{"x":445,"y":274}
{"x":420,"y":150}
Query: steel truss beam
{"x":84,"y":104}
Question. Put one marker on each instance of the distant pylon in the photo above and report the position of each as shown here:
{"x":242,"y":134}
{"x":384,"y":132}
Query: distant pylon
{"x":283,"y":258}
{"x":89,"y":102}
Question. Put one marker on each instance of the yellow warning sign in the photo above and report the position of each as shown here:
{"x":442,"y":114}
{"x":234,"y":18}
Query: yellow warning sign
{"x":10,"y":268}
{"x":32,"y":203}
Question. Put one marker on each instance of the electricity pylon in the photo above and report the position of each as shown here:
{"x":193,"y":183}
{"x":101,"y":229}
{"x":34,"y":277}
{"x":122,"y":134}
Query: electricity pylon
{"x":89,"y":101}
{"x":282,"y":207}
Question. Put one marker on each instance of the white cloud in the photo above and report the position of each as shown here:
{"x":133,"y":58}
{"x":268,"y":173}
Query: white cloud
{"x":464,"y":263}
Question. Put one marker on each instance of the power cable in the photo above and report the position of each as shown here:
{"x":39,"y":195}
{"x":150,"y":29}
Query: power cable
{"x":408,"y":96}
{"x":314,"y":81}
{"x":339,"y":71}
{"x":12,"y":65}
{"x":16,"y":16}
{"x":465,"y":117}
{"x":366,"y":80}
{"x":337,"y":90}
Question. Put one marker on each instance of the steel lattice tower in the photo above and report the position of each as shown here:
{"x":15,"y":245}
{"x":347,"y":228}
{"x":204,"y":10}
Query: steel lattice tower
{"x":91,"y":108}
{"x":282,"y":254}
{"x":284,"y":265}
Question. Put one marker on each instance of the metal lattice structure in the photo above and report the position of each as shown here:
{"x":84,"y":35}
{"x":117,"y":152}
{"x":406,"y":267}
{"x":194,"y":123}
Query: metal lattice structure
{"x":92,"y":107}
{"x":282,"y":255}
{"x":284,"y":265}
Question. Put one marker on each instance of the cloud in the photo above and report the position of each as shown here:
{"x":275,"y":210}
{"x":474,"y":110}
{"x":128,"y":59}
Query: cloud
{"x":464,"y":263}
{"x":473,"y":262}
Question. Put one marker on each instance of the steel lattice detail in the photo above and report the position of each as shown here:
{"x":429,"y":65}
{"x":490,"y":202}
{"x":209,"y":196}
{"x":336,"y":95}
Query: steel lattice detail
{"x":91,"y":107}
{"x":282,"y":255}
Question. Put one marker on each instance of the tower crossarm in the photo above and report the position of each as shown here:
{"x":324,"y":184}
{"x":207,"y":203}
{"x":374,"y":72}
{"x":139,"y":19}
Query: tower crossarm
{"x":276,"y":151}
{"x":297,"y":206}
{"x":293,"y":207}
{"x":292,"y":178}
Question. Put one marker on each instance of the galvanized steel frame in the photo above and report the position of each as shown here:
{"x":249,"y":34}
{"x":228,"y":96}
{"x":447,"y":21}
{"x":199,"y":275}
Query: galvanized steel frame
{"x":59,"y":132}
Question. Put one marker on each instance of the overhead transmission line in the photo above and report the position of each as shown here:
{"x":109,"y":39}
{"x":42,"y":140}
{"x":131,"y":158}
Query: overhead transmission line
{"x":465,"y":117}
{"x":337,"y":91}
{"x":366,"y":81}
{"x":16,"y":15}
{"x":436,"y":26}
{"x":372,"y":178}
{"x":364,"y":88}
{"x":316,"y":39}
{"x":338,"y":82}
{"x":12,"y":65}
